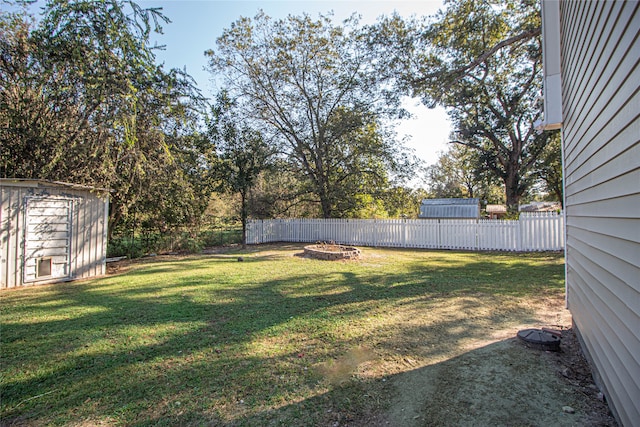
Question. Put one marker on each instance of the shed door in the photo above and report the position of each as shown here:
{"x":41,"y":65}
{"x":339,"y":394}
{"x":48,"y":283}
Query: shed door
{"x":47,"y":238}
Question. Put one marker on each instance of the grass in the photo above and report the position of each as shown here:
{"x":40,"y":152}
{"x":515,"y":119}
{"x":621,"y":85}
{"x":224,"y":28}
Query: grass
{"x":275,"y":340}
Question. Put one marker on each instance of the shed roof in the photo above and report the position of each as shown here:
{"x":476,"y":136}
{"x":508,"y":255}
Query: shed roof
{"x":497,"y":209}
{"x":29,"y":182}
{"x":451,"y":201}
{"x":450,"y":208}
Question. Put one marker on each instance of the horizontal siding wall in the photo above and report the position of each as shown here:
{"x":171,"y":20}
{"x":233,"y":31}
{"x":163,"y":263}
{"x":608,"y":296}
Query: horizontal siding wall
{"x":601,"y":144}
{"x":533,"y":232}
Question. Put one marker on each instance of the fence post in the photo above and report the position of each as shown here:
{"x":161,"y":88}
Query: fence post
{"x":375,"y":234}
{"x":476,"y":230}
{"x":404,"y":233}
{"x":519,"y":237}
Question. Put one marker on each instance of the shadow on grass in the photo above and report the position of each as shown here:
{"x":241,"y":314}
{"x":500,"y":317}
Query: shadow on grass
{"x":197,"y":348}
{"x":504,"y":383}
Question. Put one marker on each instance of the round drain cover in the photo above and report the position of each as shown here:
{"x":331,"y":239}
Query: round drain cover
{"x":540,"y":338}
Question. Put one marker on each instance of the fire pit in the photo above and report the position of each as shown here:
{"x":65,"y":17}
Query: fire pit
{"x":331,"y":251}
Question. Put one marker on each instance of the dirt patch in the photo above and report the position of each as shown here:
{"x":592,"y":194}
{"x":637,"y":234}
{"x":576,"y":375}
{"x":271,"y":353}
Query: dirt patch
{"x":118,"y":267}
{"x":572,"y":367}
{"x":504,"y":383}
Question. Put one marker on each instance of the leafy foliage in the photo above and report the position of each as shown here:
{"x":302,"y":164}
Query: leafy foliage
{"x":311,"y":87}
{"x":84,"y":101}
{"x":549,"y":168}
{"x":242,"y":154}
{"x":482,"y":61}
{"x":280,"y":193}
{"x":460,"y":173}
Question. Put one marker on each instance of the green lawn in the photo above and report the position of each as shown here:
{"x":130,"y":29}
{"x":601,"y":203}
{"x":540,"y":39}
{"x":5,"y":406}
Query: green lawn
{"x":275,"y":340}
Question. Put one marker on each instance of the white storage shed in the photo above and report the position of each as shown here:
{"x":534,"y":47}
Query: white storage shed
{"x":51,"y":232}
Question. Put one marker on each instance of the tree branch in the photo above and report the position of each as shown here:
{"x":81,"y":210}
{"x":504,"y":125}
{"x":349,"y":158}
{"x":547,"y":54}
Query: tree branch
{"x":481,"y":58}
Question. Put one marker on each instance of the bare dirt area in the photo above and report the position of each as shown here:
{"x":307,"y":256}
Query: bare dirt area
{"x":506,"y":383}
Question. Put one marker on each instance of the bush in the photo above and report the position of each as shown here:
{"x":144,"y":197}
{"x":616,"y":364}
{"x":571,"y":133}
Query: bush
{"x":125,"y":246}
{"x":189,"y":245}
{"x":147,"y":242}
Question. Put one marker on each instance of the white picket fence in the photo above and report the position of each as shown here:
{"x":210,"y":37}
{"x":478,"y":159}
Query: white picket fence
{"x":532,"y":232}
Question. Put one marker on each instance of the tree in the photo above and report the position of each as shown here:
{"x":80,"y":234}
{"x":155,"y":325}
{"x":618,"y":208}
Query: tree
{"x":482,"y":61}
{"x":83,"y":101}
{"x":459,"y":172}
{"x":242,"y":155}
{"x":311,"y":86}
{"x":549,"y":167}
{"x":449,"y":177}
{"x":403,"y":202}
{"x":176,"y":193}
{"x":279,"y":193}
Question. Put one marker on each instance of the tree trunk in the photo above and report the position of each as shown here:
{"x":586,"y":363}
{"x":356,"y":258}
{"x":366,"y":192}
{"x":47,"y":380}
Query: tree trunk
{"x":325,"y":202}
{"x":512,"y":191}
{"x":559,"y":196}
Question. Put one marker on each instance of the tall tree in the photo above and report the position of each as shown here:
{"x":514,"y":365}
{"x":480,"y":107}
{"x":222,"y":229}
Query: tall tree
{"x":459,"y":172}
{"x":403,"y":202}
{"x":83,"y":100}
{"x":482,"y":61}
{"x":549,"y":168}
{"x":311,"y":86}
{"x":242,"y":155}
{"x":279,"y":193}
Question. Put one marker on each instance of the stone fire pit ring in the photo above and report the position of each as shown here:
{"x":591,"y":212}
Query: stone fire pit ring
{"x":331,"y":252}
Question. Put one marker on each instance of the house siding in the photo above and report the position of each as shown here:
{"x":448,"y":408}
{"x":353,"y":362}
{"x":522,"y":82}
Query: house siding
{"x":87,"y":230}
{"x":600,"y":55}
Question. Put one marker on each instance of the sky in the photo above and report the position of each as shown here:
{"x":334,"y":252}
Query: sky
{"x":196,"y":24}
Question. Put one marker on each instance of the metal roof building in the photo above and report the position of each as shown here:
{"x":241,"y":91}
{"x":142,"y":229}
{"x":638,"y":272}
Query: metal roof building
{"x":450,"y":208}
{"x":51,"y":232}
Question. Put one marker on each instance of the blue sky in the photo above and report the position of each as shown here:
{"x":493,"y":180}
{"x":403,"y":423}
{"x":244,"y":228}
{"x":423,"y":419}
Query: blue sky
{"x":197,"y":23}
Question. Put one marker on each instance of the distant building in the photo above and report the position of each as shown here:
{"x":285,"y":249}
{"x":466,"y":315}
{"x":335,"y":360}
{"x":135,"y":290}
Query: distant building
{"x":450,"y":208}
{"x":540,"y":207}
{"x":496,"y":211}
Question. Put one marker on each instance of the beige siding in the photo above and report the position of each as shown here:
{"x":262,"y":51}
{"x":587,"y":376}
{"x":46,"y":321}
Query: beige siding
{"x":10,"y":230}
{"x":87,"y":228}
{"x":601,"y":142}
